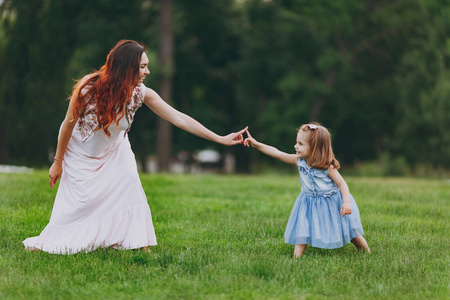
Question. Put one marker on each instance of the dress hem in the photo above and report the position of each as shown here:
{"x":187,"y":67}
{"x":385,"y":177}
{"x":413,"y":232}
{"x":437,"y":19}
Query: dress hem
{"x":127,"y":229}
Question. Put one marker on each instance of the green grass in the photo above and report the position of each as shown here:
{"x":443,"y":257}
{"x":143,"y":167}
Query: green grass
{"x":221,"y":237}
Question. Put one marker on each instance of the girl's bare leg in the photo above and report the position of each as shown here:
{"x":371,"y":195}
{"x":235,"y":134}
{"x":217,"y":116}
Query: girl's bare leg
{"x":361,"y":244}
{"x":299,"y":249}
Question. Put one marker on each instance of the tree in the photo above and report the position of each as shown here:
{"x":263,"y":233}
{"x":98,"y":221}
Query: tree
{"x":337,"y":63}
{"x":206,"y":49}
{"x":34,"y":65}
{"x":375,"y":73}
{"x":164,"y":142}
{"x":49,"y":42}
{"x":421,"y":134}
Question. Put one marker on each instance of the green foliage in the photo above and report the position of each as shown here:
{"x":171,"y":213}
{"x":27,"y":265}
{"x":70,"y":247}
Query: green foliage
{"x":338,"y":63}
{"x":39,"y":42}
{"x":206,"y":46}
{"x":375,"y":73}
{"x":384,"y":166}
{"x":422,"y":133}
{"x":221,"y":237}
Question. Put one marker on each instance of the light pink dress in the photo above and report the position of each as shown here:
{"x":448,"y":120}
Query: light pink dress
{"x":100,"y":200}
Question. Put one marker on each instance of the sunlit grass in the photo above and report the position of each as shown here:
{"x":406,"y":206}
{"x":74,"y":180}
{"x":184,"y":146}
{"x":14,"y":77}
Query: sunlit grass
{"x":222,"y":237}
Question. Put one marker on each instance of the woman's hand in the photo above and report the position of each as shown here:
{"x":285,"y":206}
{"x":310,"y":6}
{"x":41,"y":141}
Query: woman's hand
{"x":346,"y":209}
{"x":234,"y":138}
{"x":55,"y":172}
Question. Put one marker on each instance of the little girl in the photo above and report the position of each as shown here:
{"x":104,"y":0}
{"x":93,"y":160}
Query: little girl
{"x":325,"y":215}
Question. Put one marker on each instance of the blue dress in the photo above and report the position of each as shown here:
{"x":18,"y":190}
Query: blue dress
{"x":315,"y":218}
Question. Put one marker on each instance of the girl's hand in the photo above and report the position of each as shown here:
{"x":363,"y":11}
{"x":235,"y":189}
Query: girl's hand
{"x":249,"y":141}
{"x":55,"y":172}
{"x":346,"y":209}
{"x":234,"y":138}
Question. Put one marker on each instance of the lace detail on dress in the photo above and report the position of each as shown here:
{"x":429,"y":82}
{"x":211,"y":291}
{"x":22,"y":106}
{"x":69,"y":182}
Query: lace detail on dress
{"x":88,"y":121}
{"x":132,"y":106}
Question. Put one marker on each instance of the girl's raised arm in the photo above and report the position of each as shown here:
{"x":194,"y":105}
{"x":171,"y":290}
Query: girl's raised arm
{"x":185,"y":122}
{"x":270,"y":150}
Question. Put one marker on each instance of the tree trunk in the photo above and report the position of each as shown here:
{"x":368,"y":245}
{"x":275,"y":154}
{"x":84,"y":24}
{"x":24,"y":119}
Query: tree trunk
{"x":3,"y":147}
{"x":164,"y":140}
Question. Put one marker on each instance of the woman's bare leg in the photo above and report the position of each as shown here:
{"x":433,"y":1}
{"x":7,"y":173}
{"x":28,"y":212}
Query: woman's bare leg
{"x":32,"y":249}
{"x":146,"y":249}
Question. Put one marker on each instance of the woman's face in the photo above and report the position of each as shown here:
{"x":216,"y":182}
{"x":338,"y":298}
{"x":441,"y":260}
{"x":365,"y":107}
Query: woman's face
{"x":143,"y":68}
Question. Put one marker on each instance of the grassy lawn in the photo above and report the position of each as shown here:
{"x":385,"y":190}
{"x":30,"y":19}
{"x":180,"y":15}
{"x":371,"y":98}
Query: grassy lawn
{"x":221,"y":237}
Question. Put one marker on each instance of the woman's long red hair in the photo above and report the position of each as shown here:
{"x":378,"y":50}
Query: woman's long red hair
{"x":112,"y":86}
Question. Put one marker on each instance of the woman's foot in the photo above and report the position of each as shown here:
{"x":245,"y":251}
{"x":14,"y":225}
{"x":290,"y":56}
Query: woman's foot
{"x":361,"y":244}
{"x":146,"y":249}
{"x":299,"y":249}
{"x":32,"y":249}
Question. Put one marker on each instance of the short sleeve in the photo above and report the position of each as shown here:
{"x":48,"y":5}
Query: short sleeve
{"x":86,"y":89}
{"x":143,"y":90}
{"x":135,"y":102}
{"x":301,"y":164}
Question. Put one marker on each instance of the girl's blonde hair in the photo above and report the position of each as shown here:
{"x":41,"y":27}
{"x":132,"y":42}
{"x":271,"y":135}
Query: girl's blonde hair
{"x":321,"y":154}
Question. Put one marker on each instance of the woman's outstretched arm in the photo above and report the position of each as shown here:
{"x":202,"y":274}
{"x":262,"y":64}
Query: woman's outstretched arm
{"x":187,"y":123}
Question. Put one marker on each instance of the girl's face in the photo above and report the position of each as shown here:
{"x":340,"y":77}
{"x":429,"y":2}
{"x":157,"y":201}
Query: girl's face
{"x":143,"y":69}
{"x":302,"y":147}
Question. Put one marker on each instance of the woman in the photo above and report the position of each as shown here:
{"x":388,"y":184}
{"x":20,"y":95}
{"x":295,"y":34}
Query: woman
{"x":100,"y":201}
